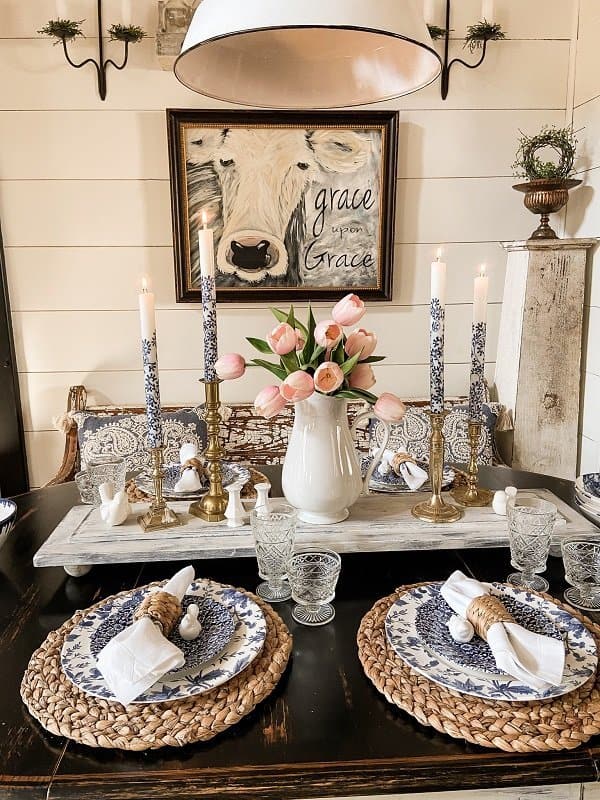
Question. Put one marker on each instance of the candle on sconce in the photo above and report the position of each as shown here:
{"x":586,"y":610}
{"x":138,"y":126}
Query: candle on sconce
{"x":150,"y":362}
{"x":438,"y":314}
{"x":430,"y":11}
{"x":126,"y":12}
{"x":488,"y":10}
{"x":206,"y":244}
{"x":478,"y":338}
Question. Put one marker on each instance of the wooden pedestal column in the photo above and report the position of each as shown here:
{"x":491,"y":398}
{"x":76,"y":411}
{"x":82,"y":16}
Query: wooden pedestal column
{"x":538,"y":367}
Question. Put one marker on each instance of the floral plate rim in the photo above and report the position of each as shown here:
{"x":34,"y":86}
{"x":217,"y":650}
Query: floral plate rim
{"x":580,"y":663}
{"x":247,"y":641}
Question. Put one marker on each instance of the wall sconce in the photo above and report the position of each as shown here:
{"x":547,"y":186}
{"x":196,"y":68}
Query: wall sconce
{"x":65,"y":30}
{"x":477,"y":37}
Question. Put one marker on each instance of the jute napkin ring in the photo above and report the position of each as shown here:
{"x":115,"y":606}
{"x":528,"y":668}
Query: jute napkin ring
{"x":485,"y":611}
{"x":560,"y":723}
{"x":163,"y":608}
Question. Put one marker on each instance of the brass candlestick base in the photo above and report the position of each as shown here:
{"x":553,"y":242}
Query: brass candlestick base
{"x":472,"y":495}
{"x":159,"y":516}
{"x":211,"y":508}
{"x":435,"y":509}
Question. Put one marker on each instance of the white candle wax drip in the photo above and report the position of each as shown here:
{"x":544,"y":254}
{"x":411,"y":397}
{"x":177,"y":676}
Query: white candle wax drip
{"x":150,"y":362}
{"x":478,"y":341}
{"x":438,"y":312}
{"x":209,"y":298}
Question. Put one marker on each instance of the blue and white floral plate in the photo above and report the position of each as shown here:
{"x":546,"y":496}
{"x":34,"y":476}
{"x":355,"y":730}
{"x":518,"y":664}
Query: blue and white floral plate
{"x":241,"y":643}
{"x":416,"y":629}
{"x":232,"y":473}
{"x":393,"y":483}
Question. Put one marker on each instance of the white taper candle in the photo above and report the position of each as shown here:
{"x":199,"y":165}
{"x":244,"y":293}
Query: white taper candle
{"x":150,"y":363}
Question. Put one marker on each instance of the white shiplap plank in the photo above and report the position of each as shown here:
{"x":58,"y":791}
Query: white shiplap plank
{"x":89,"y":341}
{"x":44,"y":394}
{"x":586,"y":121}
{"x":42,"y":279}
{"x":133,"y":144}
{"x":583,"y":209}
{"x":587,"y":80}
{"x":44,"y":456}
{"x":33,"y":75}
{"x":590,"y":455}
{"x":83,"y":213}
{"x":591,"y":407}
{"x":543,"y":19}
{"x":91,"y":213}
{"x":62,"y":145}
{"x":468,"y":209}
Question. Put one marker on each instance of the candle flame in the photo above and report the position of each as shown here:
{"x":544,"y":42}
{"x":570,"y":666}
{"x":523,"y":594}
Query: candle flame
{"x":204,"y":219}
{"x":439,"y":254}
{"x":482,"y":271}
{"x":145,"y":284}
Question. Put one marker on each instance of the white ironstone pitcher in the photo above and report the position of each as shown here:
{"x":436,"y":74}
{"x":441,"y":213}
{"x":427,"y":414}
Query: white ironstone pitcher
{"x":321,"y":472}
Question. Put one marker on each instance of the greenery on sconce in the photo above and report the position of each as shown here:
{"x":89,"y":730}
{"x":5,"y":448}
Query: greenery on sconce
{"x":62,"y":29}
{"x":126,"y":33}
{"x":482,"y":32}
{"x":436,"y":32}
{"x":560,"y":140}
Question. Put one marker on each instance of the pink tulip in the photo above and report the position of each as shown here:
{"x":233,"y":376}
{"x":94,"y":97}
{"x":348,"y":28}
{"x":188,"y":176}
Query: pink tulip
{"x":328,"y":377}
{"x":361,"y":341}
{"x":328,"y":334}
{"x":230,"y":366}
{"x":349,"y":310}
{"x":297,"y":386}
{"x":269,"y":402}
{"x":282,"y":339}
{"x":362,"y":377}
{"x":389,"y":408}
{"x":300,"y":342}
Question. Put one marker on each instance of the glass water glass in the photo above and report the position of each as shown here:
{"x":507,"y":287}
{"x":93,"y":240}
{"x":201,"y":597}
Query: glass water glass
{"x":313,"y":577}
{"x":106,"y":469}
{"x":85,"y":487}
{"x":581,"y":557}
{"x":274,"y":530}
{"x":530,"y":526}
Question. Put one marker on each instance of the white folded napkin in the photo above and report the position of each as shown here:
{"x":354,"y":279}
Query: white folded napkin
{"x":189,"y":481}
{"x":187,"y":451}
{"x":140,"y":655}
{"x":538,"y":661}
{"x":413,"y":475}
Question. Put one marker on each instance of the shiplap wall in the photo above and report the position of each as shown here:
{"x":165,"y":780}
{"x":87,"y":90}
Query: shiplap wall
{"x":84,"y":202}
{"x":583,"y":217}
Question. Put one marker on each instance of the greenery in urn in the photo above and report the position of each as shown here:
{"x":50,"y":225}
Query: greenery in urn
{"x":561,"y":142}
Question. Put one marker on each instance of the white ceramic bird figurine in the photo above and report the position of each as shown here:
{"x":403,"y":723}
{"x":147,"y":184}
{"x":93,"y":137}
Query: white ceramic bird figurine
{"x":235,"y":513}
{"x":190,"y":627}
{"x":115,"y":508}
{"x":501,"y":498}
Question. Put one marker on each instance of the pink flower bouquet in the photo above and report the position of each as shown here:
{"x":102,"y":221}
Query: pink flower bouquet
{"x":317,"y":357}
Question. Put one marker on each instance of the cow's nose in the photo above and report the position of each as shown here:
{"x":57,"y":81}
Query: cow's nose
{"x":250,"y":256}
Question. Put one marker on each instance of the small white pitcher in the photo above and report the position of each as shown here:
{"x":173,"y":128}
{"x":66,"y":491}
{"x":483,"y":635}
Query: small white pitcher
{"x":321,"y":472}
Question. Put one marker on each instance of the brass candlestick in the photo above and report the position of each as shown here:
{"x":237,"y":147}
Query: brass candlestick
{"x":211,"y":508}
{"x":159,"y":516}
{"x":472,"y":494}
{"x":435,"y":509}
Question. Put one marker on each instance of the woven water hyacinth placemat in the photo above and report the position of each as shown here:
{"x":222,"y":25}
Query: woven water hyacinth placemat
{"x":562,"y":723}
{"x":65,"y":710}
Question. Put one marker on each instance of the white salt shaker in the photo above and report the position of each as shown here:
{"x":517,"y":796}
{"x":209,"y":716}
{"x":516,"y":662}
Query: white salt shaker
{"x":262,"y":498}
{"x":235,"y":513}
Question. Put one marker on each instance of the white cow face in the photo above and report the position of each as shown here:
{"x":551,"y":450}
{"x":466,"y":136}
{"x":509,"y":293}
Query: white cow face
{"x":264,"y":175}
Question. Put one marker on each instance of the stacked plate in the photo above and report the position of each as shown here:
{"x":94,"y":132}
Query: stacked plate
{"x":392,"y":483}
{"x":587,"y":493}
{"x":233,"y":633}
{"x":416,"y":628}
{"x":232,"y":473}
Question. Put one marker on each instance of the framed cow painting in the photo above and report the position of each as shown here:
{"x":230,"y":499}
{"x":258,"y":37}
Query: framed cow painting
{"x":302,"y":204}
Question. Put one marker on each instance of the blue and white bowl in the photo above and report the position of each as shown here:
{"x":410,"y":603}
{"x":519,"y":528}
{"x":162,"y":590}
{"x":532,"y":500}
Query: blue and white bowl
{"x":8,"y":515}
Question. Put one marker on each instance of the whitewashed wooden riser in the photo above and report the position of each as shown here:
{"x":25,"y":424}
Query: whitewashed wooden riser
{"x":376,"y":523}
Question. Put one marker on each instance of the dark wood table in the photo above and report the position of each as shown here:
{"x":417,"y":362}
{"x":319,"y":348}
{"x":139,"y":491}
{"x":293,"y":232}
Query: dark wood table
{"x":325,"y":731}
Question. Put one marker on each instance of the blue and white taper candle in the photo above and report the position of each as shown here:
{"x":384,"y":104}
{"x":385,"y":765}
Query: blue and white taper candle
{"x":206,"y":244}
{"x":438,"y":315}
{"x":478,"y":336}
{"x":150,"y":361}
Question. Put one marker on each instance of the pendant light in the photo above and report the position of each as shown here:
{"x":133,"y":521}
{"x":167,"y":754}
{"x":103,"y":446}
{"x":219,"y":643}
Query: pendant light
{"x":307,"y":53}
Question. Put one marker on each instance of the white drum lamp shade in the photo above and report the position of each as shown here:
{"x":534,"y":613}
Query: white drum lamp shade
{"x":307,"y":53}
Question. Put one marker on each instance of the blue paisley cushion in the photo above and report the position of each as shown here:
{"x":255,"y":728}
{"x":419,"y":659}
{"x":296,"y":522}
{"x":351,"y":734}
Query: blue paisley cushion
{"x":126,"y":435}
{"x":413,"y":433}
